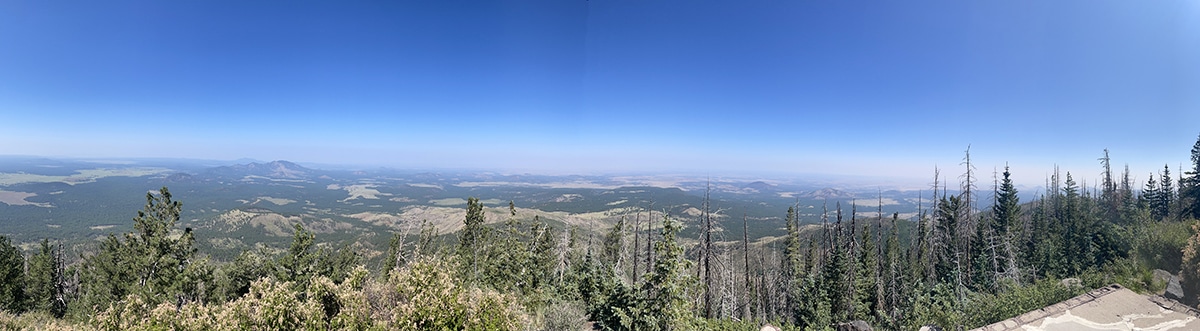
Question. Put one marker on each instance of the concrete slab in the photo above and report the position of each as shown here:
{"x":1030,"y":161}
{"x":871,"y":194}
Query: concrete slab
{"x":1109,"y":308}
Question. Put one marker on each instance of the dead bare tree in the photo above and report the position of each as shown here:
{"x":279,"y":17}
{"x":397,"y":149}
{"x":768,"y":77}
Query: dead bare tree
{"x":966,"y":230}
{"x":637,"y":244}
{"x":707,"y":251}
{"x":746,"y":309}
{"x":650,"y":238}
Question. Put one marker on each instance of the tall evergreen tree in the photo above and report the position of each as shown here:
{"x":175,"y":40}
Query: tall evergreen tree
{"x":1079,"y":230}
{"x":472,"y":237}
{"x":922,"y":266}
{"x":613,"y":248}
{"x":1150,"y":198}
{"x":12,"y":277}
{"x":299,"y":263}
{"x":948,"y":264}
{"x":1109,"y":195}
{"x":149,"y":261}
{"x":44,"y":282}
{"x":1190,"y":193}
{"x":1007,"y":212}
{"x":866,"y":296}
{"x":835,"y":275}
{"x":791,"y":263}
{"x":669,"y":306}
{"x":893,"y":280}
{"x":1166,"y":194}
{"x":1128,"y":204}
{"x":395,"y":253}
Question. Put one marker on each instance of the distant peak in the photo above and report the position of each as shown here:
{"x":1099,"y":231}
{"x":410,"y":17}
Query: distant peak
{"x":273,"y":169}
{"x":760,"y":187}
{"x":829,"y":193}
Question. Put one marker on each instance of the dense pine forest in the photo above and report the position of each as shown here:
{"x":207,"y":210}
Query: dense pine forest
{"x":974,"y":254}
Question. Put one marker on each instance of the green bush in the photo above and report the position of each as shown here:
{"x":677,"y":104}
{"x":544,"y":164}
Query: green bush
{"x":1011,"y":300}
{"x":423,"y":296}
{"x":562,"y":315}
{"x":433,"y":299}
{"x":43,"y":321}
{"x":1159,"y":245}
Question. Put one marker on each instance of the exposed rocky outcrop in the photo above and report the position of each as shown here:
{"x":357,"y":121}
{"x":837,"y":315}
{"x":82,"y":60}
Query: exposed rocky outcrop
{"x":858,"y":325}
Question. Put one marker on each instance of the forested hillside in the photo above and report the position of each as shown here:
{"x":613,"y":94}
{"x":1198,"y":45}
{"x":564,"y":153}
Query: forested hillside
{"x":969,"y":258}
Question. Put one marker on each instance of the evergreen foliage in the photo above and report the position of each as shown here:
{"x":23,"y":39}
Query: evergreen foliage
{"x":12,"y":277}
{"x":953,"y":267}
{"x":472,"y":236}
{"x":866,"y":285}
{"x":669,"y":286}
{"x":1191,"y":267}
{"x":45,"y":281}
{"x":1189,"y":195}
{"x":150,"y":262}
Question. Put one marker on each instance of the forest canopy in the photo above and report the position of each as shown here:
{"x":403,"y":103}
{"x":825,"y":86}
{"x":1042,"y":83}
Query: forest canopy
{"x":970,"y":257}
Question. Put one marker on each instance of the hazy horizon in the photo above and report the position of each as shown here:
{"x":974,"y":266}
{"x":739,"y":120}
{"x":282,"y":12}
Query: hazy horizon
{"x":857,"y":182}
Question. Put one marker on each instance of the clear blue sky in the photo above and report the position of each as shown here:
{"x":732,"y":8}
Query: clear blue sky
{"x":881,"y":88}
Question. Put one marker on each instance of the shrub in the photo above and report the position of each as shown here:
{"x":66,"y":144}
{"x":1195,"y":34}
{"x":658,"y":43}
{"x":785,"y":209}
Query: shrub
{"x":41,"y":321}
{"x":1011,"y":300}
{"x":431,"y":298}
{"x":563,"y":315}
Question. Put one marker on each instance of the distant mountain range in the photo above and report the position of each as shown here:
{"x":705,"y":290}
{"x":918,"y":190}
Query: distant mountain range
{"x":762,"y":187}
{"x":274,"y":169}
{"x":828,"y":193}
{"x":237,"y":205}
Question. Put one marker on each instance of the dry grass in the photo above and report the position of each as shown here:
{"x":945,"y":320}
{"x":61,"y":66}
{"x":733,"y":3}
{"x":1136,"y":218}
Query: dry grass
{"x":276,"y":224}
{"x":362,"y":191}
{"x":80,"y":177}
{"x":276,"y":201}
{"x":12,"y":198}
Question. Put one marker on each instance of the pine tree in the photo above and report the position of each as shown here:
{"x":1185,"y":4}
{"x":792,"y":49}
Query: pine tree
{"x":1045,"y":245}
{"x":44,"y":279}
{"x":1007,"y":211}
{"x":983,"y":257}
{"x":395,"y":253}
{"x":299,"y":263}
{"x":893,"y":280}
{"x":235,"y":278}
{"x":1128,"y":205}
{"x":1079,"y":230}
{"x":835,"y":280}
{"x":1150,"y":198}
{"x":669,"y":305}
{"x":948,"y":264}
{"x":149,"y":261}
{"x":922,"y":265}
{"x":12,"y":277}
{"x":613,"y":247}
{"x":1166,"y":194}
{"x":791,"y":263}
{"x":1190,"y":193}
{"x":471,"y":238}
{"x":1110,"y":195}
{"x":866,"y":281}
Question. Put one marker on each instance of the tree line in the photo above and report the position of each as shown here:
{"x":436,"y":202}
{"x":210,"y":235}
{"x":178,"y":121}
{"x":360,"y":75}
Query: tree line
{"x":954,"y":265}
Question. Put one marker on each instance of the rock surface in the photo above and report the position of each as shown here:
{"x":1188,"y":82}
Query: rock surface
{"x":858,"y":325}
{"x":1108,"y":308}
{"x":1174,"y":290}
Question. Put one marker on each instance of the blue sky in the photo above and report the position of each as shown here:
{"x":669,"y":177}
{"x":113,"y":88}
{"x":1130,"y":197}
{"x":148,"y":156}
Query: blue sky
{"x":884,"y":88}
